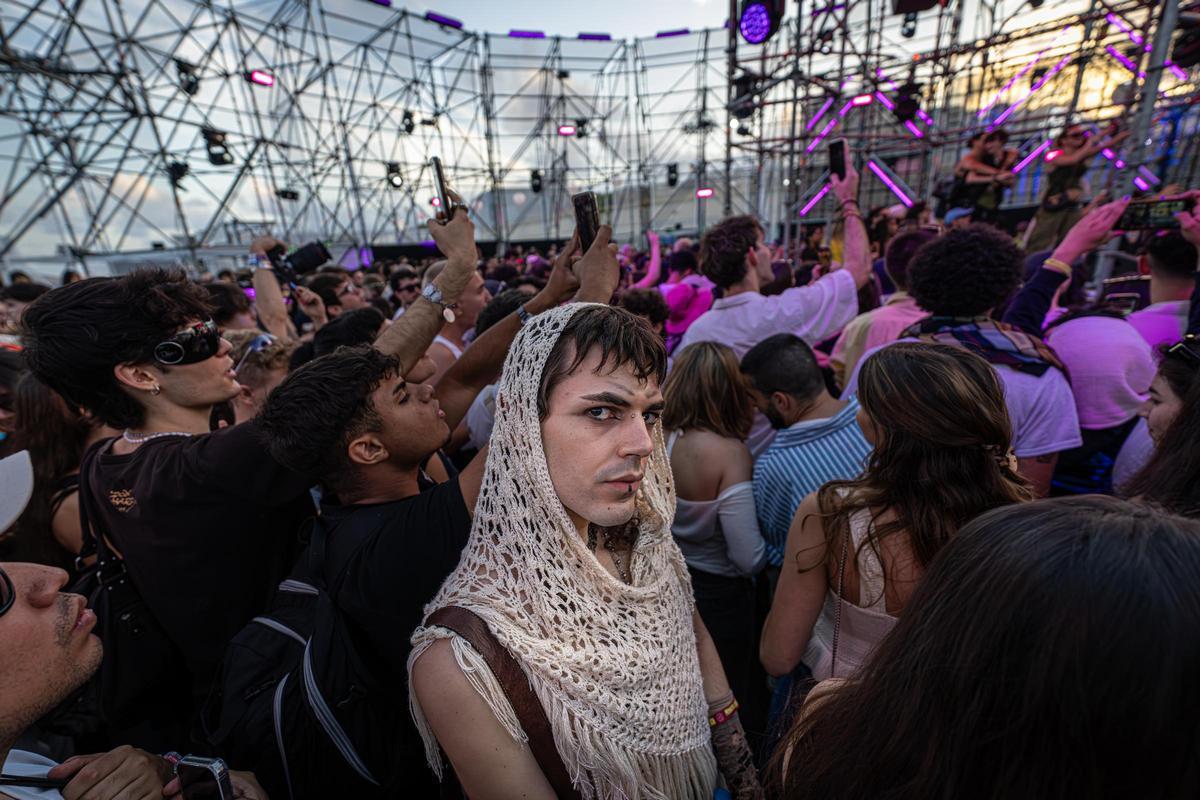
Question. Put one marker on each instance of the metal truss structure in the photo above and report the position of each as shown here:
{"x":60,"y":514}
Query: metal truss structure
{"x":131,"y":131}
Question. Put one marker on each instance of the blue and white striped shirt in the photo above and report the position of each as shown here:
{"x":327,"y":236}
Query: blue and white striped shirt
{"x":801,"y":460}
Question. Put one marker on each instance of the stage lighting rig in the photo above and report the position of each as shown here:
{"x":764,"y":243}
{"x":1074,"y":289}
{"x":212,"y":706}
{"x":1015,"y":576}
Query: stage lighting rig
{"x":177,"y":171}
{"x":214,"y":142}
{"x":188,"y":82}
{"x":535,"y":181}
{"x":287,"y":194}
{"x":408,"y":123}
{"x":745,"y":94}
{"x":672,"y":174}
{"x":907,"y":102}
{"x":581,"y":130}
{"x":759,"y":19}
{"x":394,"y":178}
{"x":908,"y":28}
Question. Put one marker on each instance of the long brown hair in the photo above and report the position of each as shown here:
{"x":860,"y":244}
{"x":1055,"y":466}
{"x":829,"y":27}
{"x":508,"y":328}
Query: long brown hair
{"x":941,"y":454}
{"x":706,"y":391}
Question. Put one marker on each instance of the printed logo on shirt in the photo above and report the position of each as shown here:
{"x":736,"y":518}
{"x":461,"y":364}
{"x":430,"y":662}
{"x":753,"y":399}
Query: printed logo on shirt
{"x":122,"y":499}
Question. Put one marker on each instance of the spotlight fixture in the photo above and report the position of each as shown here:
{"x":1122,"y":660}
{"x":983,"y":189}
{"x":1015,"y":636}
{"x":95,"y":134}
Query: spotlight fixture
{"x":177,"y":171}
{"x":535,"y":181}
{"x":581,"y":130}
{"x":394,"y":178}
{"x":704,"y":194}
{"x":744,"y":131}
{"x":563,"y":74}
{"x":566,"y":130}
{"x":759,"y":19}
{"x":672,"y":174}
{"x":908,"y":28}
{"x":907,"y":102}
{"x":260,"y":77}
{"x":408,"y":123}
{"x":214,"y":141}
{"x":287,"y":194}
{"x":745,"y":94}
{"x":188,"y":82}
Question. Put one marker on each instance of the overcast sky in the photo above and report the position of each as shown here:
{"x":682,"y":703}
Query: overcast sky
{"x":622,"y":18}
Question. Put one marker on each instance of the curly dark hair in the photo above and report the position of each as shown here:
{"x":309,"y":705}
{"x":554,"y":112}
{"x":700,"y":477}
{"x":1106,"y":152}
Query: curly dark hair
{"x":965,"y":273}
{"x":498,"y":308}
{"x":74,"y":335}
{"x":227,"y":300}
{"x":648,"y":303}
{"x":318,"y":409}
{"x":724,"y":246}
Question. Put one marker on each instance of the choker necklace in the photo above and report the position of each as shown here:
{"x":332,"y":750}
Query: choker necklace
{"x":139,"y":438}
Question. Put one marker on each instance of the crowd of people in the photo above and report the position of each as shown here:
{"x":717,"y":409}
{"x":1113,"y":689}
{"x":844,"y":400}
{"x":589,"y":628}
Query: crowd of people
{"x":899,"y":511}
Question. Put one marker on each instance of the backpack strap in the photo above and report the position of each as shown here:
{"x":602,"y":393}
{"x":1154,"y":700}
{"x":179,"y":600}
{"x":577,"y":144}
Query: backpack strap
{"x":516,"y":686}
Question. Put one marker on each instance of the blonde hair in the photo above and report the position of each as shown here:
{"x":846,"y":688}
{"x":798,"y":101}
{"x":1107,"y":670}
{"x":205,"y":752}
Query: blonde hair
{"x":706,"y":391}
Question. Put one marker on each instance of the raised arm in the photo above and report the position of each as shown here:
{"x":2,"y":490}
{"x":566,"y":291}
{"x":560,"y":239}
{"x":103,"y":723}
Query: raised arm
{"x":268,"y":297}
{"x":654,"y":270}
{"x":857,"y":259}
{"x":410,"y":336}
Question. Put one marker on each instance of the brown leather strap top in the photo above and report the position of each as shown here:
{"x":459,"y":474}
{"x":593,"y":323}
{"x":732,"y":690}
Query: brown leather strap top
{"x":516,"y":686}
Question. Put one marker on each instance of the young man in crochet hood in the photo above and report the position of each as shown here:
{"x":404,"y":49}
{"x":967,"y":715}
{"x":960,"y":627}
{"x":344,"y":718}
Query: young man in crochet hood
{"x":572,"y":566}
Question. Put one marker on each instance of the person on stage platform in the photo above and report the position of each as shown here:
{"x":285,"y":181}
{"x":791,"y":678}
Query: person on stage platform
{"x":1069,"y":160}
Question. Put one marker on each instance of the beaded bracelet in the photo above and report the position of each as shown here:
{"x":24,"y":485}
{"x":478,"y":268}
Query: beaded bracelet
{"x":1058,"y":266}
{"x":724,"y":715}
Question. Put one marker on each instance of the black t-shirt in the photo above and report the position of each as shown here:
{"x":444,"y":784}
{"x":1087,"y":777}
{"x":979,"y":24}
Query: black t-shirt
{"x":208,"y":525}
{"x":394,"y":556}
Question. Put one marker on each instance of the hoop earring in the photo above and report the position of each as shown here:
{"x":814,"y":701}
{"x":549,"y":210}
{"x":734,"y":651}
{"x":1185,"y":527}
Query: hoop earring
{"x":156,"y":391}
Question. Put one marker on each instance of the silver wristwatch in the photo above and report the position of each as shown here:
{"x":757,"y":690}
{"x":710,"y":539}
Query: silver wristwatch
{"x":434,"y":295}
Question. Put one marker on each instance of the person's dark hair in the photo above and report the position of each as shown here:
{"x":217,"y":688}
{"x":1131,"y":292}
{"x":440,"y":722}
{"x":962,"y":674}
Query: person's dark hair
{"x":942,"y":447}
{"x":965,"y":273}
{"x":17,"y":276}
{"x":682,"y":262}
{"x":301,"y":356}
{"x":706,"y":391}
{"x":998,"y":134}
{"x":12,"y":367}
{"x":498,"y":308}
{"x":401,"y":274}
{"x":350,"y":329}
{"x":313,"y":415}
{"x":1171,"y":478}
{"x":1172,"y":255}
{"x":227,"y":301}
{"x":623,"y":338}
{"x":325,"y":285}
{"x":505,"y":273}
{"x":69,"y":276}
{"x":74,"y":335}
{"x":899,"y":254}
{"x":783,"y":363}
{"x":24,"y":292}
{"x":1050,"y":651}
{"x":646,"y":303}
{"x":527,"y":280}
{"x":55,"y":435}
{"x":724,"y":247}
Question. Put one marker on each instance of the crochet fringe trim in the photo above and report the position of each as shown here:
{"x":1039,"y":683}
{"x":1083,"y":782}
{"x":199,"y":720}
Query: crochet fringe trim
{"x":600,"y":768}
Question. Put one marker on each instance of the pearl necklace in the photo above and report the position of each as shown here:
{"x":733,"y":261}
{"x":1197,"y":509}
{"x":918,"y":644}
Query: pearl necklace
{"x":139,"y":438}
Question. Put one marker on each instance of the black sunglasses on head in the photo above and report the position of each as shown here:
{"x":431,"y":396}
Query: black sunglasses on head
{"x":190,"y":346}
{"x":8,"y":595}
{"x":1188,"y":348}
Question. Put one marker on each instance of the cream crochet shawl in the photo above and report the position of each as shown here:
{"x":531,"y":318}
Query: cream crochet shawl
{"x":614,"y":666}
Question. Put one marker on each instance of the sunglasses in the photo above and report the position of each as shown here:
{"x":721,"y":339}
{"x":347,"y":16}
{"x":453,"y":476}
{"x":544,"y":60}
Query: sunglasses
{"x":257,"y":345}
{"x":8,"y":595}
{"x":350,"y":289}
{"x":408,"y":287}
{"x":190,"y":346}
{"x":1186,"y":348}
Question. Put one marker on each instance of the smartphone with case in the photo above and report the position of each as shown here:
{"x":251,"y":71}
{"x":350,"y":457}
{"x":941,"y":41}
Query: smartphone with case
{"x":439,"y":181}
{"x":587,"y":219}
{"x":1156,"y":215}
{"x":837,"y":158}
{"x":204,"y":779}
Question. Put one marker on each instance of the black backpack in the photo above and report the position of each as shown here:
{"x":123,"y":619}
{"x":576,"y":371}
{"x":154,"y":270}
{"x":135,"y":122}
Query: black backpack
{"x":295,"y":701}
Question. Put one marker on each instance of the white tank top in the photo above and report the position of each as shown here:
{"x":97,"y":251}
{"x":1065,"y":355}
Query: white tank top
{"x":454,"y":349}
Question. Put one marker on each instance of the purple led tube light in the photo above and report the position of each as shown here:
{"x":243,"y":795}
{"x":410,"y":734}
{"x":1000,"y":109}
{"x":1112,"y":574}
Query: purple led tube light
{"x":449,"y":22}
{"x":820,"y":113}
{"x":816,"y":198}
{"x":1029,"y":159}
{"x":891,"y":184}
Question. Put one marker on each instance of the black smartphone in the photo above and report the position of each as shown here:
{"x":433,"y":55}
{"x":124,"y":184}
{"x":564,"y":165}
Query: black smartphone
{"x":204,"y":779}
{"x":439,"y":184}
{"x":1154,"y":214}
{"x":837,"y":158}
{"x":587,"y":219}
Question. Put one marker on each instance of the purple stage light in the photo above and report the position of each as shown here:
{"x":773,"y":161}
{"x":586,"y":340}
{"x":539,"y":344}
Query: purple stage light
{"x":1119,"y":164}
{"x":755,"y":24}
{"x":816,"y":198}
{"x":677,"y":32}
{"x":1141,"y":184}
{"x":820,"y":113}
{"x":883,"y":99}
{"x":891,"y":184}
{"x":1108,"y":153}
{"x":862,"y":100}
{"x":596,"y":37}
{"x":846,"y":108}
{"x":1029,"y":159}
{"x":914,"y":130}
{"x":434,"y":201}
{"x":1042,"y":81}
{"x":440,"y":19}
{"x":387,"y":3}
{"x":829,"y":126}
{"x":704,"y":194}
{"x":1137,"y":38}
{"x":1053,"y":154}
{"x":1149,"y":176}
{"x":566,"y":130}
{"x":260,"y":77}
{"x":1124,"y":61}
{"x":1177,"y":71}
{"x":514,"y":34}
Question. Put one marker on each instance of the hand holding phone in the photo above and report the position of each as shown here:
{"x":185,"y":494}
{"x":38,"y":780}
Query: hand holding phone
{"x":1154,"y":214}
{"x":445,"y":202}
{"x":837,"y":157}
{"x":204,"y":779}
{"x":587,"y":219}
